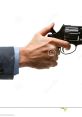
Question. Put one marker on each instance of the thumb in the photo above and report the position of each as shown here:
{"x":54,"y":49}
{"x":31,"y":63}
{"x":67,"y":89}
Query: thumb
{"x":47,"y":29}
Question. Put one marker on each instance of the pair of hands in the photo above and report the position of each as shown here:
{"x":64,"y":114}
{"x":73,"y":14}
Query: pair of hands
{"x":42,"y":52}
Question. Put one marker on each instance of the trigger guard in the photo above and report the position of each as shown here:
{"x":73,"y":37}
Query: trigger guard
{"x":62,"y":51}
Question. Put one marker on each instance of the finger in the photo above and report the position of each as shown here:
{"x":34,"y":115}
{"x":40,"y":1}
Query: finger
{"x":53,"y":50}
{"x":59,"y":42}
{"x":57,"y":50}
{"x":46,"y":30}
{"x":51,"y":47}
{"x":54,"y":63}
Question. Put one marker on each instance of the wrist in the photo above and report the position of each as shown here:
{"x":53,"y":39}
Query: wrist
{"x":22,"y":57}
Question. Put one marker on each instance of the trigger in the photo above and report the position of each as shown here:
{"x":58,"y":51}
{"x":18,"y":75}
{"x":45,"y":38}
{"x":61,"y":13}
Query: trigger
{"x":62,"y":49}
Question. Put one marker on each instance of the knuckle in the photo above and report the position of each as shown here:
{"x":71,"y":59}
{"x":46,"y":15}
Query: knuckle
{"x":54,"y":64}
{"x":50,"y":40}
{"x":51,"y":46}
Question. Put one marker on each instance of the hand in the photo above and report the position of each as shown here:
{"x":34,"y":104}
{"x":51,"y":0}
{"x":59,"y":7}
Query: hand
{"x":42,"y":51}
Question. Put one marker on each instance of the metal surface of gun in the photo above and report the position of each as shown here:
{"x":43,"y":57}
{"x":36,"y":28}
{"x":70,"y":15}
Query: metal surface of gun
{"x":72,"y":34}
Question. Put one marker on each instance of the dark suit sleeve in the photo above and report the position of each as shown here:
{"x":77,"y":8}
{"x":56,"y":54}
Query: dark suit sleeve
{"x":7,"y":60}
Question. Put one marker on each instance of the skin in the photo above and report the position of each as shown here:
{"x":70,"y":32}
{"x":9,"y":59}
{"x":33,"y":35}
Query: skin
{"x":36,"y":53}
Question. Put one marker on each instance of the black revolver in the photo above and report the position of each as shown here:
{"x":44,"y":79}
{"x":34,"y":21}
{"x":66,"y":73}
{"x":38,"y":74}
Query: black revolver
{"x":72,"y":34}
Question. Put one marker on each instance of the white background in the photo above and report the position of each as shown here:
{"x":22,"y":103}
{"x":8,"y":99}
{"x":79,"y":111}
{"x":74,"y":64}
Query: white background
{"x":56,"y":87}
{"x":41,"y":112}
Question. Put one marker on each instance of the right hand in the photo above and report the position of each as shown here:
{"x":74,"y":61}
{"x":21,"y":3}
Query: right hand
{"x":42,"y":52}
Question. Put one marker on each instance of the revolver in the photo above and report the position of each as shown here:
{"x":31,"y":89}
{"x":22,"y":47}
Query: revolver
{"x":72,"y":34}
